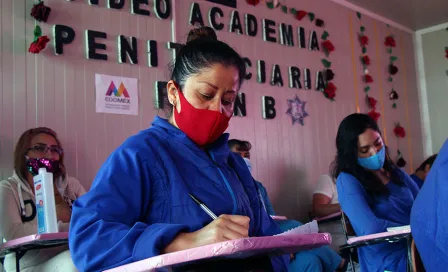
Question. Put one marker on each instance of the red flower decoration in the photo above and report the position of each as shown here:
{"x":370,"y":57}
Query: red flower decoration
{"x":330,"y":91}
{"x":390,"y":41}
{"x":374,"y":115}
{"x":399,"y":131}
{"x":253,"y":2}
{"x":328,"y":45}
{"x":446,"y":53}
{"x":39,"y":45}
{"x":401,"y":162}
{"x":40,"y":12}
{"x":364,"y":40}
{"x":301,"y":14}
{"x":365,"y":60}
{"x":393,"y":95}
{"x":371,"y":102}
{"x":368,"y":79}
{"x":393,"y":70}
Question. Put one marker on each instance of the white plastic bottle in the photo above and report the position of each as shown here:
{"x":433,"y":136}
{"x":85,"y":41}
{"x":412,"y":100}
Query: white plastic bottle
{"x":45,"y":204}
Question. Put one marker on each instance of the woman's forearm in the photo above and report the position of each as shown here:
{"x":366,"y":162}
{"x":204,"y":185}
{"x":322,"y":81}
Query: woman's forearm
{"x":321,"y":210}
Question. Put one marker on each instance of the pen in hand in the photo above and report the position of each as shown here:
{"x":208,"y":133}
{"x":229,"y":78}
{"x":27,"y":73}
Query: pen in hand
{"x":203,"y":207}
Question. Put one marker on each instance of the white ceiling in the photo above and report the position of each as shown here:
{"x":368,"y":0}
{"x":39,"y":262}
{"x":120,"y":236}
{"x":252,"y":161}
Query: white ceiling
{"x":414,"y":14}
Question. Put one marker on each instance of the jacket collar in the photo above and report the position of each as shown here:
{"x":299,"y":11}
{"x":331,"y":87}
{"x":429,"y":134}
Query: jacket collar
{"x":219,"y":150}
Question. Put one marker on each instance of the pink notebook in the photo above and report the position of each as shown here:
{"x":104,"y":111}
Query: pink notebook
{"x":35,"y":237}
{"x":377,"y":235}
{"x":279,"y":217}
{"x":237,"y":249}
{"x":334,"y":215}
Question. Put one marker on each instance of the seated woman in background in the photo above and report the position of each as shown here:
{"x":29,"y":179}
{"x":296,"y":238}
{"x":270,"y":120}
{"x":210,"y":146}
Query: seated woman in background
{"x":325,"y":203}
{"x":321,"y":259}
{"x":17,"y":207}
{"x":429,"y":222}
{"x":139,"y":205}
{"x":422,"y":171}
{"x":373,"y":192}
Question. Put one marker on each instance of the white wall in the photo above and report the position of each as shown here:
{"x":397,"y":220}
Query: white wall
{"x":433,"y":74}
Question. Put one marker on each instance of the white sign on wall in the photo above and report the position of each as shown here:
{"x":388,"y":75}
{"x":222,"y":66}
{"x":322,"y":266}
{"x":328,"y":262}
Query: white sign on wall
{"x":117,"y":95}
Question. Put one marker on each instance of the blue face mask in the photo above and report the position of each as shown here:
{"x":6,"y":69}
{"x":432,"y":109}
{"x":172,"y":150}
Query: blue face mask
{"x":374,"y":162}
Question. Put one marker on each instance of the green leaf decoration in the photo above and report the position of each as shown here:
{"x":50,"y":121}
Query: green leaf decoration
{"x":366,"y":88}
{"x":394,"y":105}
{"x":363,"y":28}
{"x":326,"y":63}
{"x":37,"y":32}
{"x":285,"y":9}
{"x":325,"y":35}
{"x":359,"y":15}
{"x":390,"y":79}
{"x":389,"y":50}
{"x":270,"y":5}
{"x":293,"y":11}
{"x":393,"y":58}
{"x":446,"y":48}
{"x":311,"y":16}
{"x":364,"y":50}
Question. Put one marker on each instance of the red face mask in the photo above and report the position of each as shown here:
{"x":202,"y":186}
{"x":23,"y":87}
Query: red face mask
{"x":202,"y":126}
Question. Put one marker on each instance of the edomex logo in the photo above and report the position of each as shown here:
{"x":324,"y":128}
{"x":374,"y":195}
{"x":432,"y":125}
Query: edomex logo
{"x":119,"y":95}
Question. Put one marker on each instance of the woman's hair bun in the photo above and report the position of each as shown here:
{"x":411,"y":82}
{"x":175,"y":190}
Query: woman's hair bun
{"x":202,"y":33}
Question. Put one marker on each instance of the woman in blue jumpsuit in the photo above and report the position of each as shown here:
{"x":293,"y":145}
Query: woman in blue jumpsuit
{"x":139,"y":205}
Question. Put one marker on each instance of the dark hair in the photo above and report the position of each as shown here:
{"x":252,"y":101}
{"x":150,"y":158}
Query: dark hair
{"x":240,"y":145}
{"x":429,"y":161}
{"x":23,"y":145}
{"x":234,"y":143}
{"x":347,"y":154}
{"x":203,"y":49}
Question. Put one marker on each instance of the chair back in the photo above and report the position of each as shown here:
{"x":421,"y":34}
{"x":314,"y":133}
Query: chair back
{"x":347,"y":226}
{"x":417,"y":264}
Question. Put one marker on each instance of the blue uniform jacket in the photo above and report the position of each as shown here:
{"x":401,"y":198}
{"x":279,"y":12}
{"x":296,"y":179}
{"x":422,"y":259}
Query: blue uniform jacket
{"x":373,"y":214}
{"x":139,"y":199}
{"x":429,"y":221}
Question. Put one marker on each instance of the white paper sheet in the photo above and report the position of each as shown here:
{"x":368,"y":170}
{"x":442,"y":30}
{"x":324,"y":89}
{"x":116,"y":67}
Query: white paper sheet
{"x":308,"y":228}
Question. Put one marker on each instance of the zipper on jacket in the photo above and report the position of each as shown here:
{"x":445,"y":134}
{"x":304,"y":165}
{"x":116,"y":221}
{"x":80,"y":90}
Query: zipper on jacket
{"x":232,"y":194}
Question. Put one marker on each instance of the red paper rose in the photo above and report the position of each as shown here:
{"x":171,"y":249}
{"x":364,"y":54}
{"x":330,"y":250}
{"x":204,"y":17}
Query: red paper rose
{"x":399,"y":131}
{"x":40,"y":12}
{"x":371,"y":102}
{"x":330,"y":91}
{"x":401,"y":162}
{"x":301,"y":14}
{"x":393,"y":70}
{"x":39,"y":45}
{"x":253,"y":2}
{"x":390,"y":41}
{"x":374,"y":115}
{"x":393,"y":95}
{"x":365,"y":60}
{"x":364,"y":40}
{"x":328,"y":45}
{"x":368,"y":79}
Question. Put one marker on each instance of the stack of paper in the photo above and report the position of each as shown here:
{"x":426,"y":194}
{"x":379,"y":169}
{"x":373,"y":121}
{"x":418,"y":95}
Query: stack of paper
{"x":408,"y":227}
{"x":308,"y":228}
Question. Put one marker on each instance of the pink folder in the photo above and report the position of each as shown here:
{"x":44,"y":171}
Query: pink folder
{"x":236,"y":249}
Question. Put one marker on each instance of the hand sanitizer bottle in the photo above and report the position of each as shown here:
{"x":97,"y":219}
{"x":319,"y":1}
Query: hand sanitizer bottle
{"x":45,"y":204}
